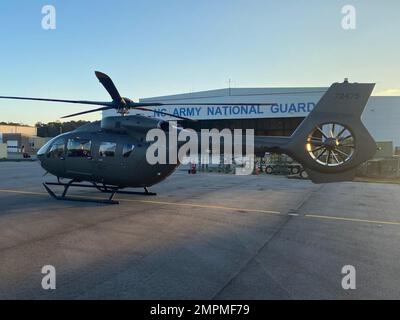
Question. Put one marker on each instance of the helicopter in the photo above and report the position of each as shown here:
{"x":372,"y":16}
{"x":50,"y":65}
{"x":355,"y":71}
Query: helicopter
{"x":110,"y":155}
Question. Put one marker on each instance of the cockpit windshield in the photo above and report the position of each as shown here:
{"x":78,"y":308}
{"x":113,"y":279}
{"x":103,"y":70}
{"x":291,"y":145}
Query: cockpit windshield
{"x":43,"y":150}
{"x":46,"y":147}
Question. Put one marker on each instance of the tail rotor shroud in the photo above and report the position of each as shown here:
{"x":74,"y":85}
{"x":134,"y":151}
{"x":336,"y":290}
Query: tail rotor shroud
{"x":332,"y":141}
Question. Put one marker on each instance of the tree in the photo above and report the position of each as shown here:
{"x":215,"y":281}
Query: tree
{"x":53,"y":129}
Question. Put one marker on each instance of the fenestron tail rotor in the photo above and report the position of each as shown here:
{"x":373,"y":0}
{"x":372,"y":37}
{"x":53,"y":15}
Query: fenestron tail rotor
{"x":331,"y":144}
{"x":121,"y":104}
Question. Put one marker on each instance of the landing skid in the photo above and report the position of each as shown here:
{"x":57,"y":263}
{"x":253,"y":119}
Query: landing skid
{"x":107,"y":189}
{"x":103,"y":188}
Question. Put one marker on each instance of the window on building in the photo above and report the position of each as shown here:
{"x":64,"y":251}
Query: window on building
{"x":79,"y":148}
{"x":127,"y":150}
{"x":107,"y":149}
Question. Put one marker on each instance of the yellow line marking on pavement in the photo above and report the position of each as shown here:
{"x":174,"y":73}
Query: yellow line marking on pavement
{"x":23,"y":192}
{"x":352,"y":219}
{"x":205,"y":206}
{"x":192,"y":205}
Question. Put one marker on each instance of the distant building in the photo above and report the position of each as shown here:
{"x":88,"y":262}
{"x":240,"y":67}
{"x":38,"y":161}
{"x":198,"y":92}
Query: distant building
{"x":21,"y":137}
{"x":3,"y":150}
{"x":381,"y":115}
{"x":23,"y":130}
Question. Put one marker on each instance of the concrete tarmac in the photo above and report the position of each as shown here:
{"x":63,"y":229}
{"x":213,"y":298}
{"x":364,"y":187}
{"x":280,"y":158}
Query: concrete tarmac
{"x":204,"y":236}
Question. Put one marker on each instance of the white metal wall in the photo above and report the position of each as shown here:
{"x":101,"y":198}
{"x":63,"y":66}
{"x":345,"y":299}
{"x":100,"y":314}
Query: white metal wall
{"x":381,"y":115}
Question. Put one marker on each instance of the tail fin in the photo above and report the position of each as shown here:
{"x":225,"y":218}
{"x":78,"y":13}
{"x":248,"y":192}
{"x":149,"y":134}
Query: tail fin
{"x":332,"y":141}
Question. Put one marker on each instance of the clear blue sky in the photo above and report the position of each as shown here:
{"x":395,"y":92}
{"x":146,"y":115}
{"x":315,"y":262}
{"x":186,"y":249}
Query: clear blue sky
{"x":159,"y":47}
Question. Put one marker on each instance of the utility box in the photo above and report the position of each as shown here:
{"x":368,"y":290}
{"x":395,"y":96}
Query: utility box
{"x":3,"y":150}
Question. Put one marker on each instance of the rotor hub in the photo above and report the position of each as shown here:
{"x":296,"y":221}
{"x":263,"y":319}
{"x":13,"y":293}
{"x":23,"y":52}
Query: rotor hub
{"x":331,"y":143}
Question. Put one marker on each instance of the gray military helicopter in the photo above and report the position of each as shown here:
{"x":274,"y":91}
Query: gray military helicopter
{"x":110,"y":155}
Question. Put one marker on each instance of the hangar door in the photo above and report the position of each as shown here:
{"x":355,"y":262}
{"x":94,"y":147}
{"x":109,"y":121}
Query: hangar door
{"x":12,"y":146}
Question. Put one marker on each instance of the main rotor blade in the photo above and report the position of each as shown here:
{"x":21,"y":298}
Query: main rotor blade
{"x":164,"y":113}
{"x":97,"y":103}
{"x":109,"y":85}
{"x":88,"y":111}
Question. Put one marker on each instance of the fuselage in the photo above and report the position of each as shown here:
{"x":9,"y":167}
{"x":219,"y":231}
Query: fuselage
{"x":96,"y":155}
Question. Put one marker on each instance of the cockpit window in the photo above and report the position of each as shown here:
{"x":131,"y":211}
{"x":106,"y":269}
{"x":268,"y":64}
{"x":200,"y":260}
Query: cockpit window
{"x":57,"y":140}
{"x":57,"y":149}
{"x":107,"y":149}
{"x":44,"y":149}
{"x":79,"y":148}
{"x":127,"y":150}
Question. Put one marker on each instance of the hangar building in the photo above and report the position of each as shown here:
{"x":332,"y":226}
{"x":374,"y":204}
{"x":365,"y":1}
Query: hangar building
{"x":381,"y":115}
{"x":18,"y":137}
